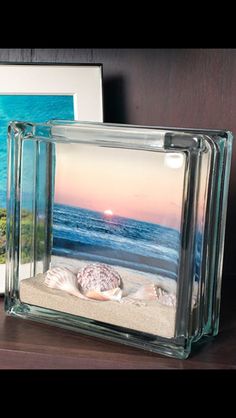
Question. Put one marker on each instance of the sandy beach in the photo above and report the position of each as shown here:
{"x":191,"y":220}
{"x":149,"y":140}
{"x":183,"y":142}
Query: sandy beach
{"x":150,"y":317}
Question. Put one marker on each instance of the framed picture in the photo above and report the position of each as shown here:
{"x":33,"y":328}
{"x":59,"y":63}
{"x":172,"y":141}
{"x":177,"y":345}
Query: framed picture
{"x":37,"y":93}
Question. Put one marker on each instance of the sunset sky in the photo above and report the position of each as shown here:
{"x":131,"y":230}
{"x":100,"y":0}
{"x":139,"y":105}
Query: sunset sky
{"x":135,"y":184}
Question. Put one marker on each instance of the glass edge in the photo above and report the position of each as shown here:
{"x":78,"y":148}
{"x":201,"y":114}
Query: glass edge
{"x":53,"y":122}
{"x":171,"y":347}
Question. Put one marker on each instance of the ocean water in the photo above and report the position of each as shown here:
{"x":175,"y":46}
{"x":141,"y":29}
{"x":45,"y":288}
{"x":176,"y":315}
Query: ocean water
{"x":83,"y":233}
{"x":32,"y":108}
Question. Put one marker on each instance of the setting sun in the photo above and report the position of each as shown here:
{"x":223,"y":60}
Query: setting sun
{"x":108,"y":212}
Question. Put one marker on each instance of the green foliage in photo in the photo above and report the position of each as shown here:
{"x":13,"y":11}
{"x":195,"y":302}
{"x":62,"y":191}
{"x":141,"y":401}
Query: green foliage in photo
{"x":26,"y":239}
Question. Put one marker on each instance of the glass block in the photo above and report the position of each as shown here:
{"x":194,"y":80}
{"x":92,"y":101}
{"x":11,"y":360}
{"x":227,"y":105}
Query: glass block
{"x":117,"y":231}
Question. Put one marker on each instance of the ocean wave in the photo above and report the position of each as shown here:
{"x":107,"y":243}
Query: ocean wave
{"x":87,"y":227}
{"x":116,"y":242}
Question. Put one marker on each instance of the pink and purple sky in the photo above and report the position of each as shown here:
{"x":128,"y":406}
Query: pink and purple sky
{"x":134,"y":184}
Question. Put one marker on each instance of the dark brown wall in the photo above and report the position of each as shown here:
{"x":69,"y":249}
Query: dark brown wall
{"x":188,"y":88}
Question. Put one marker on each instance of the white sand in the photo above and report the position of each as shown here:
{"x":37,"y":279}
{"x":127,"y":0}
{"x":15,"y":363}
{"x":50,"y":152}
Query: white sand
{"x":153,"y":317}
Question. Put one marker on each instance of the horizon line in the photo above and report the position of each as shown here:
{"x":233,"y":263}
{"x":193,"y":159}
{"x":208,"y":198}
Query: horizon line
{"x":119,"y":216}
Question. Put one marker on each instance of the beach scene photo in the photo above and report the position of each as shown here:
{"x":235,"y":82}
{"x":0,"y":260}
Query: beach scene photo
{"x":32,"y":108}
{"x":116,"y":238}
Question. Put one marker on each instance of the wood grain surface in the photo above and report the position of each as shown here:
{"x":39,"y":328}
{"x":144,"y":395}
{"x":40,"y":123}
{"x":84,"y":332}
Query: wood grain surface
{"x":168,"y":87}
{"x":28,"y":345}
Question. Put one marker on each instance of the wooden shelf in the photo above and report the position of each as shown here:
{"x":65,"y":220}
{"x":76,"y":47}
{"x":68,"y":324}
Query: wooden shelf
{"x":28,"y":345}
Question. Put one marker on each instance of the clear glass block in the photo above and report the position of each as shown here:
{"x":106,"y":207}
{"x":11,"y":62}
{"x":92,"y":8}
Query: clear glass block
{"x":117,"y":231}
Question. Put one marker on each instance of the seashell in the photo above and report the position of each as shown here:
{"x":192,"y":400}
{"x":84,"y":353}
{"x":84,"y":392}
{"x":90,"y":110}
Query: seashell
{"x":100,"y":282}
{"x":165,"y":297}
{"x":71,"y":268}
{"x":68,"y":266}
{"x":63,"y":279}
{"x":112,"y":294}
{"x":146,"y":292}
{"x":151,"y":292}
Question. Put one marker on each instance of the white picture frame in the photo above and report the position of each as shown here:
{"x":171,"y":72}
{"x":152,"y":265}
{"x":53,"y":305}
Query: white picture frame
{"x":82,"y":81}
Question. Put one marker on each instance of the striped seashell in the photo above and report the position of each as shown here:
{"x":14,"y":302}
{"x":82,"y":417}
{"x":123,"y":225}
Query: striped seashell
{"x":150,"y":292}
{"x":165,"y":297}
{"x":112,"y":294}
{"x":100,"y":282}
{"x":68,"y":266}
{"x":63,"y":279}
{"x":146,"y":292}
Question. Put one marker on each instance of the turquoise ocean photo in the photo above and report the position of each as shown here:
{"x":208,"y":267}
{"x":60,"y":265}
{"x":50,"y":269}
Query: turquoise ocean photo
{"x":32,"y":108}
